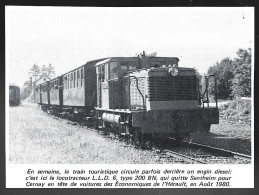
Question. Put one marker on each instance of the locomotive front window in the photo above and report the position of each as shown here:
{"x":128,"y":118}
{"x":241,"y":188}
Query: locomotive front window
{"x":124,"y":67}
{"x":127,"y":66}
{"x":155,"y":64}
{"x":114,"y":70}
{"x":132,"y":65}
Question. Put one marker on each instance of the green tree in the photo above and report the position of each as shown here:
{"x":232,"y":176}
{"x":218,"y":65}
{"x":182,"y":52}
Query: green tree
{"x":224,"y":75}
{"x":152,"y":54}
{"x":241,"y":83}
{"x":47,"y":70}
{"x":50,"y":70}
{"x":26,"y":90}
{"x":233,"y":76}
{"x":35,"y":71}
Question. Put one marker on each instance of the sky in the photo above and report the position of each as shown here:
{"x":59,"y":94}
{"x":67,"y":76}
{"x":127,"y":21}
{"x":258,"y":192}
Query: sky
{"x":68,"y":37}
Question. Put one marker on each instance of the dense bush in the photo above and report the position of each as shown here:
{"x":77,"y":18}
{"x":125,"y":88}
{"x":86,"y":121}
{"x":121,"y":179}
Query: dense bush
{"x":26,"y":90}
{"x":236,"y":110}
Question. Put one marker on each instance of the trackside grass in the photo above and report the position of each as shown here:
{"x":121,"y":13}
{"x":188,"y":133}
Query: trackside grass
{"x":36,"y":137}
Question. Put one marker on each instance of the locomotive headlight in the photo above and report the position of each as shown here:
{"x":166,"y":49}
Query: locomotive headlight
{"x":173,"y":71}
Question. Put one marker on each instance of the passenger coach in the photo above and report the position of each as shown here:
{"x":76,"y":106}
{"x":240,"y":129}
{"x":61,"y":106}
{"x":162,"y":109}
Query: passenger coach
{"x":14,"y":95}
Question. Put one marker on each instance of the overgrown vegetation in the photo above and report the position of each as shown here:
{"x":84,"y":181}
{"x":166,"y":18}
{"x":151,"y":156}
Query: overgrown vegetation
{"x":26,"y":90}
{"x":236,"y":110}
{"x":233,"y":76}
{"x":37,"y":72}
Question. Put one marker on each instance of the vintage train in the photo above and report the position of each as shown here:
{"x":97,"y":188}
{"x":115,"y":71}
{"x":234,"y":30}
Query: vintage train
{"x":141,"y":98}
{"x":14,"y":95}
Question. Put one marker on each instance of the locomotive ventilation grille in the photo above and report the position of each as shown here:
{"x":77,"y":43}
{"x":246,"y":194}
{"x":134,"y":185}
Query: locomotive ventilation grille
{"x":172,"y":88}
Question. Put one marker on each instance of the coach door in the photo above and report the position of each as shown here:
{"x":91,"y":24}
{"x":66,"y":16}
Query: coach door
{"x":103,"y":89}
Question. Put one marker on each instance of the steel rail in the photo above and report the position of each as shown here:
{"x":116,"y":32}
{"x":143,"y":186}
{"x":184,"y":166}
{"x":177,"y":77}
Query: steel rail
{"x":184,"y":157}
{"x":216,"y":150}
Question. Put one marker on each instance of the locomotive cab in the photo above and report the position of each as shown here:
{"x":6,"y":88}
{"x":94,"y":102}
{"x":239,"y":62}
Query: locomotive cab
{"x":110,"y":74}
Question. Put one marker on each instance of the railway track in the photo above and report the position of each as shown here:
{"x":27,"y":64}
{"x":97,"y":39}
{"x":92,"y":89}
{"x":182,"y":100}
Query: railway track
{"x":211,"y":155}
{"x":245,"y":138}
{"x":195,"y":153}
{"x":182,"y":157}
{"x":214,"y":151}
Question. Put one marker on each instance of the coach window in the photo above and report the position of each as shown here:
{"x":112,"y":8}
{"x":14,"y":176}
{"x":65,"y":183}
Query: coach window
{"x":71,"y":81}
{"x":102,"y":73}
{"x":74,"y":79}
{"x":114,"y":70}
{"x":65,"y":82}
{"x":82,"y":76}
{"x":68,"y":81}
{"x":78,"y":78}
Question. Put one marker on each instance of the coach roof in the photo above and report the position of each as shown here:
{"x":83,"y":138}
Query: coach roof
{"x":103,"y":62}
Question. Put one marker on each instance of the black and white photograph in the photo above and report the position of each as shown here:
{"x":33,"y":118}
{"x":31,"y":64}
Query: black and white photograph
{"x":162,"y":95}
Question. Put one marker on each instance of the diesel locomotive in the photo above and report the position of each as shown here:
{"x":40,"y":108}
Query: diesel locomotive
{"x":140,"y":98}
